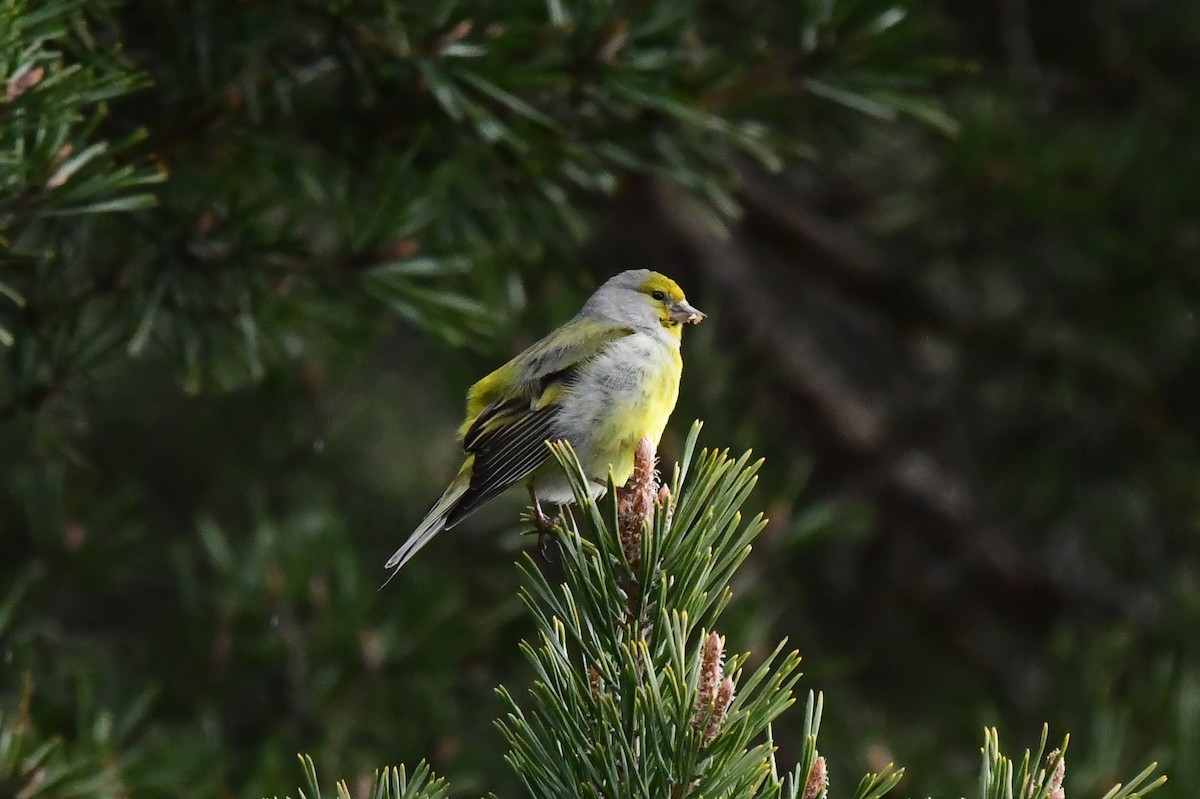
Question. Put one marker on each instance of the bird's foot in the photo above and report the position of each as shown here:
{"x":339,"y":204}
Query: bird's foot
{"x":545,"y":525}
{"x":543,"y":544}
{"x":547,"y":528}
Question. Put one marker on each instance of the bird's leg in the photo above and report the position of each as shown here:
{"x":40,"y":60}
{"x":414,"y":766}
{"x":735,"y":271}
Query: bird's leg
{"x":544,"y":524}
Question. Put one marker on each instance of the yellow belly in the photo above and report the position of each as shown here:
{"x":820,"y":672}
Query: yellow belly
{"x":635,"y":387}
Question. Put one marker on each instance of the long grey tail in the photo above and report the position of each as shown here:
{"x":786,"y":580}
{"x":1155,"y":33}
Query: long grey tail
{"x":433,"y":523}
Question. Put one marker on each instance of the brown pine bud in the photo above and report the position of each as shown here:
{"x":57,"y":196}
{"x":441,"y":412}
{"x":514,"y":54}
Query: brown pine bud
{"x":709,"y":679}
{"x":23,"y":82}
{"x":635,"y":501}
{"x":721,"y":703}
{"x":1060,"y":772}
{"x":595,"y":682}
{"x":818,"y":780}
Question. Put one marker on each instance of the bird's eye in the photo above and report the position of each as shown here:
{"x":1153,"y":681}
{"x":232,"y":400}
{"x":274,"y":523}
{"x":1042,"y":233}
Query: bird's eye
{"x":658,"y":295}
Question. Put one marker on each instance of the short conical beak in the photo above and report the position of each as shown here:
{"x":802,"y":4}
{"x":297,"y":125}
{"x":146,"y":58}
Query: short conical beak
{"x":685,"y":314}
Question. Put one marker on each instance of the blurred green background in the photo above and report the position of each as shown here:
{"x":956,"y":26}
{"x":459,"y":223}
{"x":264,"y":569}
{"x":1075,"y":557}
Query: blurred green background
{"x":949,"y":254}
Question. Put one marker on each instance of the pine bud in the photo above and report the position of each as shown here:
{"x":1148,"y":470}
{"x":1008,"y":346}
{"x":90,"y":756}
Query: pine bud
{"x":721,"y":705}
{"x":614,"y":39}
{"x":635,"y":503}
{"x":818,"y":780}
{"x":459,"y":32}
{"x":1056,"y":781}
{"x":709,"y":678}
{"x":710,"y":670}
{"x":22,"y":82}
{"x":595,"y":682}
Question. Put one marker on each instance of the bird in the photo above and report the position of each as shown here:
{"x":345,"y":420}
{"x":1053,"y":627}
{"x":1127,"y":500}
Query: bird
{"x":603,"y":381}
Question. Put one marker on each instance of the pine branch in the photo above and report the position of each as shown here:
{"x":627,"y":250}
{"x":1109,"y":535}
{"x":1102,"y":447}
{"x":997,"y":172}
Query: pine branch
{"x":388,"y":783}
{"x":643,"y":703}
{"x":55,"y":91}
{"x":1040,"y":775}
{"x":35,"y":764}
{"x":634,"y":695}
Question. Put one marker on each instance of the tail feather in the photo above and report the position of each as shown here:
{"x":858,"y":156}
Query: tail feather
{"x":433,"y":523}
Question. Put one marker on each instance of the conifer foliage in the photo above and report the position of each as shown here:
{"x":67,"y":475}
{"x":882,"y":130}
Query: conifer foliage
{"x":246,"y":249}
{"x":634,"y":696}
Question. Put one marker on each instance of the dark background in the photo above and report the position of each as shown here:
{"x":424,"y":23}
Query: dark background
{"x":957,"y":317}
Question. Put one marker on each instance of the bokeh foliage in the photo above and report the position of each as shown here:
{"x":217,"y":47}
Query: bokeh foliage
{"x":251,"y":254}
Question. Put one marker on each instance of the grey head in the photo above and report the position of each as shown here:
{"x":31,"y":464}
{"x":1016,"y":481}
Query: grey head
{"x":643,"y":300}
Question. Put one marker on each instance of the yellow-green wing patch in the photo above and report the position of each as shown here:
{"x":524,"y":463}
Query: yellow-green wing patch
{"x":506,"y":452}
{"x":510,"y":413}
{"x":543,"y":364}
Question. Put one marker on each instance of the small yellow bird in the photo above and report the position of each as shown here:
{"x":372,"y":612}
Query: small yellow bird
{"x":603,"y":381}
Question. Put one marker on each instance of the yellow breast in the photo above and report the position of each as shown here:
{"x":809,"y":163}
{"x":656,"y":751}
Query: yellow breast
{"x":638,"y":395}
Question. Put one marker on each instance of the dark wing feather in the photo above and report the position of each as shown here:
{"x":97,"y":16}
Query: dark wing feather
{"x":506,"y":451}
{"x":508,"y":436}
{"x":544,"y":362}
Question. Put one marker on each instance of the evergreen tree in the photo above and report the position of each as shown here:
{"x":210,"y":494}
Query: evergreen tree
{"x":633,"y":694}
{"x":252,"y":253}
